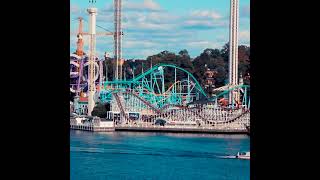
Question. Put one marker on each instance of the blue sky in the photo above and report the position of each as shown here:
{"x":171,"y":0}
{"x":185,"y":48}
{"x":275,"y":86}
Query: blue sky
{"x":152,"y":26}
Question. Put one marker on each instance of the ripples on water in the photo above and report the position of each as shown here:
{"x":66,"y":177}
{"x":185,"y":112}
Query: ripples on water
{"x":132,"y":155}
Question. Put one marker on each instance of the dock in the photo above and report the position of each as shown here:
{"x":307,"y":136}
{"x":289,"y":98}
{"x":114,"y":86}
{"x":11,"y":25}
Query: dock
{"x":92,"y":128}
{"x":234,"y":123}
{"x":182,"y":130}
{"x":160,"y":129}
{"x":91,"y":124}
{"x":172,"y":129}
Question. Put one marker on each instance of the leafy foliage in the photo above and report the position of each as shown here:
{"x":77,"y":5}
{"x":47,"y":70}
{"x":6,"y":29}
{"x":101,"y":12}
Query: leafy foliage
{"x":100,"y":110}
{"x":214,"y":59}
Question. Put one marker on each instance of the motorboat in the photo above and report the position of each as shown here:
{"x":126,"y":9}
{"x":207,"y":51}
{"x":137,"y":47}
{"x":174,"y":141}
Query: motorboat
{"x":243,"y":155}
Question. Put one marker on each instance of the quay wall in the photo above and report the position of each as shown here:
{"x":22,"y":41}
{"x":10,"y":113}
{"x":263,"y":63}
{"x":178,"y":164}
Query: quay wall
{"x":183,"y":130}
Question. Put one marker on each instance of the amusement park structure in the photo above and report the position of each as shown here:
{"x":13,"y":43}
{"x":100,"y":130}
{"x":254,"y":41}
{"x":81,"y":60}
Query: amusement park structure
{"x":233,"y":48}
{"x":117,"y":40}
{"x":144,"y":100}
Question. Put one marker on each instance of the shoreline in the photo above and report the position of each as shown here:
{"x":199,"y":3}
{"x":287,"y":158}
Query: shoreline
{"x":163,"y":130}
{"x":181,"y":130}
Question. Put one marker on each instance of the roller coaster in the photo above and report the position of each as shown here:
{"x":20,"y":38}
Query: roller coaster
{"x":145,"y":99}
{"x":150,"y":97}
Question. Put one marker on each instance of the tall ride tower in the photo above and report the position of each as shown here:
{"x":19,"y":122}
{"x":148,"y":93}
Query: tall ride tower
{"x":117,"y":41}
{"x":233,"y":49}
{"x":92,"y":56}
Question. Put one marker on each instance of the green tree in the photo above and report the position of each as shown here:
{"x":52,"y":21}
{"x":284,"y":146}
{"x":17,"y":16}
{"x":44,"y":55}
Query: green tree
{"x":184,"y":52}
{"x":100,"y":110}
{"x":214,"y":59}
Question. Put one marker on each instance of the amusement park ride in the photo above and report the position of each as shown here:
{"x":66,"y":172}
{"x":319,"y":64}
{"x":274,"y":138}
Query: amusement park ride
{"x":146,"y":95}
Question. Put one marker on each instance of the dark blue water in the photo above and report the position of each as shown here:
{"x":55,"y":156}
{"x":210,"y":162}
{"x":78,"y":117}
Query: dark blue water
{"x":132,"y":155}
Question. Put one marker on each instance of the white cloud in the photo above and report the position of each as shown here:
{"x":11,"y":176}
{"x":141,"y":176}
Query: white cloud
{"x":138,"y":21}
{"x":161,"y":17}
{"x":150,"y":4}
{"x":198,"y":43}
{"x":77,"y":11}
{"x":146,"y":5}
{"x":139,"y":53}
{"x":204,"y":19}
{"x":205,"y":14}
{"x":203,"y":23}
{"x":149,"y":29}
{"x":141,"y":24}
{"x":105,"y":18}
{"x":244,"y":36}
{"x":139,"y":44}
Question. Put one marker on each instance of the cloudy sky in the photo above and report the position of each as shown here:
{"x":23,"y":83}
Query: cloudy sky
{"x":152,"y":26}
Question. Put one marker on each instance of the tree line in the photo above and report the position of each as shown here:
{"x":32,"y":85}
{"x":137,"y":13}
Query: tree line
{"x":216,"y":60}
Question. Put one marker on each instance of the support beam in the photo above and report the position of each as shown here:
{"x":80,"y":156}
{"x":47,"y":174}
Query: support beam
{"x":92,"y":55}
{"x":233,"y":49}
{"x":117,"y":41}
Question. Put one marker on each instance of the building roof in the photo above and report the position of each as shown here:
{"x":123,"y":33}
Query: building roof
{"x":83,"y":99}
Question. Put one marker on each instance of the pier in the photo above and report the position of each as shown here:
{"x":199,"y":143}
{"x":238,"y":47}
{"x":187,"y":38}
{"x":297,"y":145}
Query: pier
{"x":172,"y":129}
{"x":92,"y":128}
{"x":182,"y":130}
{"x":213,"y":121}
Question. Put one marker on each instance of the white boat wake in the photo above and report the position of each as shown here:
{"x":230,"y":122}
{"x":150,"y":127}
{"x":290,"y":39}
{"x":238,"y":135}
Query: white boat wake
{"x":228,"y":157}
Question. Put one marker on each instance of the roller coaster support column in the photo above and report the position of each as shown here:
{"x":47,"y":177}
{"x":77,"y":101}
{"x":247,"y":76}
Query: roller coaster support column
{"x":100,"y":75}
{"x":92,"y":47}
{"x":80,"y":76}
{"x":188,"y":95}
{"x":175,"y":79}
{"x":245,"y":97}
{"x":162,"y":75}
{"x":106,"y":55}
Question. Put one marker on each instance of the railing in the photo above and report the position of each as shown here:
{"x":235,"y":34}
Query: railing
{"x":144,"y":101}
{"x":235,"y":118}
{"x":204,"y":117}
{"x":122,"y":112}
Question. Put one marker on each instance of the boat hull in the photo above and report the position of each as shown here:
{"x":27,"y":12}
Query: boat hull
{"x":242,"y":157}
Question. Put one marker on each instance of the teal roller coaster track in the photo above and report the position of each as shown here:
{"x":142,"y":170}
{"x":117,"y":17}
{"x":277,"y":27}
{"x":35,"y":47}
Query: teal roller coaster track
{"x":149,"y":86}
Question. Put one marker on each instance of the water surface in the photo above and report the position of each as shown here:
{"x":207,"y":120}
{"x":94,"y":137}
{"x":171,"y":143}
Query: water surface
{"x":134,"y":155}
